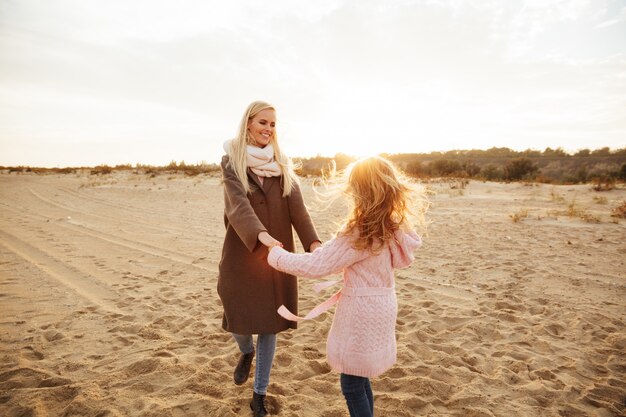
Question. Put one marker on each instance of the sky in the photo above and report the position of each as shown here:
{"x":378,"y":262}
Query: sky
{"x":87,"y":82}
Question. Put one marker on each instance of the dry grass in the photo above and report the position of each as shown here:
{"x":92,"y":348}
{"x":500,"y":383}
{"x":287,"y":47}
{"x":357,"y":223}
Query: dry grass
{"x":600,"y":200}
{"x":556,"y":197}
{"x":519,"y":216}
{"x":459,"y":184}
{"x":603,"y":184}
{"x":619,"y":211}
{"x":457,"y":187}
{"x":589,"y":218}
{"x":575,"y":211}
{"x":107,"y":181}
{"x":101,"y":170}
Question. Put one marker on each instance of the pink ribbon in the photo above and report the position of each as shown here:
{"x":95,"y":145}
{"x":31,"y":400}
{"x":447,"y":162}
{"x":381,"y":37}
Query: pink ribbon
{"x":319,"y":309}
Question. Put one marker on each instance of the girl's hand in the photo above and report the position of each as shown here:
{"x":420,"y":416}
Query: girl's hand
{"x":266,"y":239}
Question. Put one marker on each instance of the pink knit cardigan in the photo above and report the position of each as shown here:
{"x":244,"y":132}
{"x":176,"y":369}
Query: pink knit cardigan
{"x":362,"y":339}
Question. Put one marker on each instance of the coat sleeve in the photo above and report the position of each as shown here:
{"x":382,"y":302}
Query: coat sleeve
{"x":300,"y":218}
{"x":332,"y":257}
{"x":238,"y":209}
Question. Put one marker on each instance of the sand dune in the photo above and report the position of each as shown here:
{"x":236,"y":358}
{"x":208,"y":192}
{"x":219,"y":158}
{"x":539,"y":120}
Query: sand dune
{"x":109,"y":306}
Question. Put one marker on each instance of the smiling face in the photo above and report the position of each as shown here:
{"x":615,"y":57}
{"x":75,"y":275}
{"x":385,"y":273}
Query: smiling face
{"x":261,"y":127}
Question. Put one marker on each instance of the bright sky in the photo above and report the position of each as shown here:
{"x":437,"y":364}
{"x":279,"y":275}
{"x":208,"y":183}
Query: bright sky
{"x":87,"y":82}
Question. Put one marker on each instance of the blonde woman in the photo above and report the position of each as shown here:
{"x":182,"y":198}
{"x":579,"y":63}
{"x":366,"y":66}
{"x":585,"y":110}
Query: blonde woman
{"x":377,"y":237}
{"x":262,"y":203}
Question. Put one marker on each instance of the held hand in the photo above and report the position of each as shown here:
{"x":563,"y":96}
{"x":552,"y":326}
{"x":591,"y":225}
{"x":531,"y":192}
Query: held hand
{"x":315,"y":245}
{"x":266,"y":239}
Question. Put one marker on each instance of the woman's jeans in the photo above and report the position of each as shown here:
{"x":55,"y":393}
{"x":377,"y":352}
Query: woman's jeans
{"x":358,"y":393}
{"x":265,"y":348}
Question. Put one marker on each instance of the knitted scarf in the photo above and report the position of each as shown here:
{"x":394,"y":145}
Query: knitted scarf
{"x":260,"y":160}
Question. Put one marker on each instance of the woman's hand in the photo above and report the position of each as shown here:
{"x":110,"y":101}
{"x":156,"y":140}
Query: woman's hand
{"x":266,"y":239}
{"x":315,"y":245}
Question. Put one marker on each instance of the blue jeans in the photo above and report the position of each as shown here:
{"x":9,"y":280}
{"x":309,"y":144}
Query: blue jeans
{"x":265,"y":348}
{"x":358,"y":393}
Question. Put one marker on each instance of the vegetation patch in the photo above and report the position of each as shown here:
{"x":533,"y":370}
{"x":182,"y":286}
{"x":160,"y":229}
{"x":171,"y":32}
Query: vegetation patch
{"x":619,"y":211}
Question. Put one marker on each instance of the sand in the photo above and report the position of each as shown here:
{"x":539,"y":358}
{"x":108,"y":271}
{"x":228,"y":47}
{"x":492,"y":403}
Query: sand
{"x":109,"y":306}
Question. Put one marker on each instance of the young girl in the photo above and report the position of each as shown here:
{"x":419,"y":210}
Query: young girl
{"x":376,"y":238}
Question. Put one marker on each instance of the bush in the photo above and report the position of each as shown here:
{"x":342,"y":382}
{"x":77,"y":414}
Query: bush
{"x":416,"y":169}
{"x":519,"y":168}
{"x":471,"y":169}
{"x":492,"y":172}
{"x":101,"y":170}
{"x":446,"y":167}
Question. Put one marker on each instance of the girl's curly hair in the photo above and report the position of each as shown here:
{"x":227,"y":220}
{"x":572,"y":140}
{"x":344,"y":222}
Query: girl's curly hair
{"x":382,"y":201}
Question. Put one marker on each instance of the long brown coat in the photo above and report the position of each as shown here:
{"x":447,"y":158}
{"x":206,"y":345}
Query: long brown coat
{"x":251,"y":291}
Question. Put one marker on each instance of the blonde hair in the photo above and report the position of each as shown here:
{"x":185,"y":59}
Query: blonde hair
{"x":381,"y":203}
{"x":237,"y":152}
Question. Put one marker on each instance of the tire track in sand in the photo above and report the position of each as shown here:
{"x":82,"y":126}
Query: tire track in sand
{"x":82,"y":284}
{"x":120,"y":241}
{"x":120,"y":219}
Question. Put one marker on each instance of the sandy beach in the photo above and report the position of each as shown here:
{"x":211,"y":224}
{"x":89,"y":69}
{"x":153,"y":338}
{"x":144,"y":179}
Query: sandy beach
{"x":514,"y":307}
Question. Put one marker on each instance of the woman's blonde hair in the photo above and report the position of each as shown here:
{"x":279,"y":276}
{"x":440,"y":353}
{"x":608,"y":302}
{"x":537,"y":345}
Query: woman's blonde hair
{"x":382,"y":202}
{"x":237,"y":152}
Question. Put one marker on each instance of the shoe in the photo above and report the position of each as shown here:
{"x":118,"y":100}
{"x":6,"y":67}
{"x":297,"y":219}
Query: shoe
{"x":258,"y":405}
{"x":242,"y":371}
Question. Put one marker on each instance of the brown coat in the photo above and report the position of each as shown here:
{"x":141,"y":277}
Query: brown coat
{"x":251,"y":291}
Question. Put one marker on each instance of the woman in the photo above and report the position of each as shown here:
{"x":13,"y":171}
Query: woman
{"x":262,"y":202}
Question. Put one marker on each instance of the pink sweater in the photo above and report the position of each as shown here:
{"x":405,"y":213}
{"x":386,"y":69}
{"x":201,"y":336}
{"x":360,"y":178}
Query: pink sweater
{"x":362,"y":339}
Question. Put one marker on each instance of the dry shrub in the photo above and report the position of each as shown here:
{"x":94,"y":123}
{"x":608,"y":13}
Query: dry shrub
{"x":101,"y":170}
{"x":554,"y":196}
{"x":603,"y":184}
{"x":619,"y":211}
{"x":553,"y":214}
{"x":459,"y":184}
{"x":589,"y":218}
{"x":517,"y":217}
{"x":456,"y":186}
{"x":456,"y":193}
{"x":574,"y":211}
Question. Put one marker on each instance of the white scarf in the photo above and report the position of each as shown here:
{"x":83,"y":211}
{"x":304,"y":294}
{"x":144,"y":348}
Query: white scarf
{"x":260,"y":160}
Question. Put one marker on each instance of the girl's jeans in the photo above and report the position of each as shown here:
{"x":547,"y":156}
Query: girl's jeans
{"x":265,"y":348}
{"x":358,"y":393}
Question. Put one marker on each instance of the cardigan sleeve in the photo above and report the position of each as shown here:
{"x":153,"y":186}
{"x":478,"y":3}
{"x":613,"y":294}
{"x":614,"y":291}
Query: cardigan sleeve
{"x":402,"y":248}
{"x":332,"y":257}
{"x":300,"y":218}
{"x":238,"y":209}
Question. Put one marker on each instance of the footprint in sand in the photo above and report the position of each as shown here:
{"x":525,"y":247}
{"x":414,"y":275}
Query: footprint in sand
{"x":502,"y":305}
{"x":198,"y":260}
{"x":29,"y":378}
{"x":53,"y":335}
{"x":31,"y":354}
{"x":555,"y":330}
{"x":164,"y":354}
{"x":142,"y":367}
{"x":313,"y":368}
